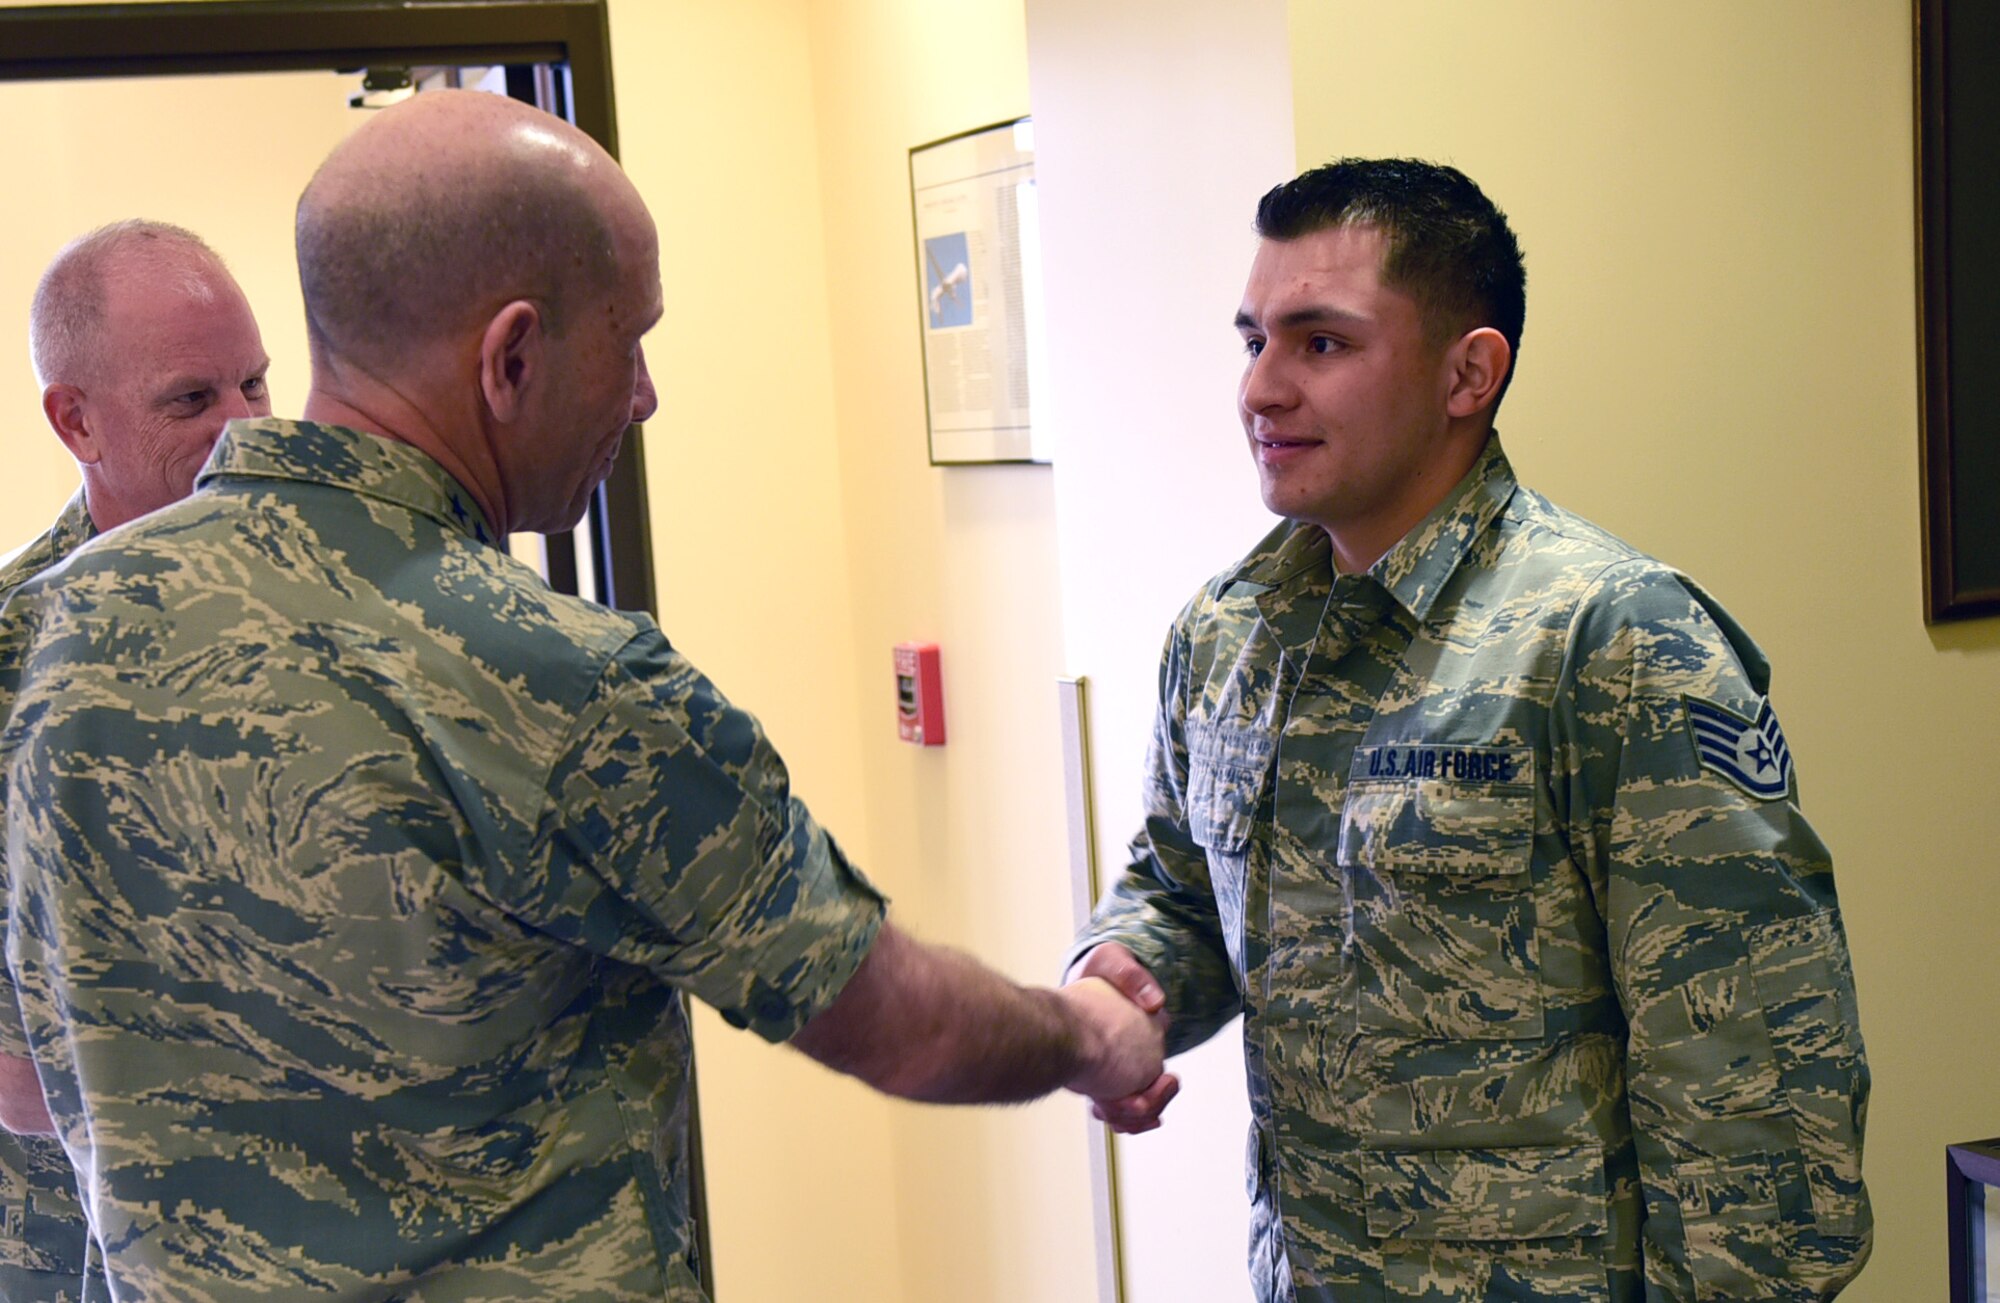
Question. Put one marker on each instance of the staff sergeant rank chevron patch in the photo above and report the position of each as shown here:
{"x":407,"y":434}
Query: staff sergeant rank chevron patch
{"x":1750,"y":753}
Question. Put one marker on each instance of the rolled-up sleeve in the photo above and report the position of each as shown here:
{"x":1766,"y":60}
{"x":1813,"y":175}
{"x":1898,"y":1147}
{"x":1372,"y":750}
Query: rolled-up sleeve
{"x":672,"y":841}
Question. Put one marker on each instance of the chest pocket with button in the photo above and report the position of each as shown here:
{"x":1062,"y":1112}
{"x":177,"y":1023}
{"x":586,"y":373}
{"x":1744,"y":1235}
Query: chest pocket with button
{"x":1228,"y":772}
{"x":1436,"y":849}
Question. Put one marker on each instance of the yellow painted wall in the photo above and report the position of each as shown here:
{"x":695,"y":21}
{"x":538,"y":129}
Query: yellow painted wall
{"x":1720,"y":365}
{"x":173,"y":149}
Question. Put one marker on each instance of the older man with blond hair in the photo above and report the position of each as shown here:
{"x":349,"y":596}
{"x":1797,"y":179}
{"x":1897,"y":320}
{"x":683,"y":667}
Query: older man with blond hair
{"x":143,"y":346}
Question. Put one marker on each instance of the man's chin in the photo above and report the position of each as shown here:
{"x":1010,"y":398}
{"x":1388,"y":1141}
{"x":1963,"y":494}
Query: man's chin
{"x":560,"y":524}
{"x":569,"y":517}
{"x":1279,"y":502}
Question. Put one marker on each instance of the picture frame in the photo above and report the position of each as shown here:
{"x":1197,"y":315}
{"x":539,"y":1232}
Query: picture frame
{"x":977,"y":242}
{"x":1972,"y":1203}
{"x":1958,"y":186}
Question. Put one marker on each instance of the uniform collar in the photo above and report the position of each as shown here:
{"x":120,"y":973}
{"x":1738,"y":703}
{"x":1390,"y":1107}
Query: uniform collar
{"x":1292,"y":550}
{"x":1417,"y":569}
{"x":73,"y":528}
{"x":1414,"y":571}
{"x":312,"y":453}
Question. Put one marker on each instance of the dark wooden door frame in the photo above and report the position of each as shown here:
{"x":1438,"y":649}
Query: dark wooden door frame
{"x":223,"y":36}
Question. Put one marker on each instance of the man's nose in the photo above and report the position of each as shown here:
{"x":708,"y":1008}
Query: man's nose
{"x":645,"y":399}
{"x":1265,"y":383}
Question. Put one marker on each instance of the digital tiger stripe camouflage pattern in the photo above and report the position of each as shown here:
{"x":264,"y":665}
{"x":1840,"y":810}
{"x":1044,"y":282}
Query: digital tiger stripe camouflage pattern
{"x":44,"y":1237}
{"x":356,"y":881}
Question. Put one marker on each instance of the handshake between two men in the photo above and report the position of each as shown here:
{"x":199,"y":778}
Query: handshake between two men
{"x":926,"y":1023}
{"x":427,"y":871}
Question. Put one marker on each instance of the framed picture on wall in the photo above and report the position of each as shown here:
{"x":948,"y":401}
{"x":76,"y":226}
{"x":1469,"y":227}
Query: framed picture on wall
{"x":979,"y":294}
{"x":1972,"y":1203}
{"x":1958,"y":190}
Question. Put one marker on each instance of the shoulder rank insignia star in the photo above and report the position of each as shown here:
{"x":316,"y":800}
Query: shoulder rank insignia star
{"x":1750,"y":753}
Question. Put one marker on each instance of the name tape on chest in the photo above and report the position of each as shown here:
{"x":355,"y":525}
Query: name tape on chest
{"x":1454,"y":763}
{"x":1750,"y":753}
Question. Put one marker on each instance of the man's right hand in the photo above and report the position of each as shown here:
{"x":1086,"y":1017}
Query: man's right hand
{"x":1123,"y":1046}
{"x":925,"y":1022}
{"x":1138,"y":1107}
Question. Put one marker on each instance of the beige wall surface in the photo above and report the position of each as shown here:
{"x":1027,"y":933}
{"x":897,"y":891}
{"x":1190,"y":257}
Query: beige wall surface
{"x":176,"y":149}
{"x":1720,"y":365}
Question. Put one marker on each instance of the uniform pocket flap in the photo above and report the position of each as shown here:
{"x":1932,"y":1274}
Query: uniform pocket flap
{"x":1730,"y":1223}
{"x":1227,"y":770}
{"x":1805,"y":987}
{"x":1534,"y":1193}
{"x":1468,"y":811}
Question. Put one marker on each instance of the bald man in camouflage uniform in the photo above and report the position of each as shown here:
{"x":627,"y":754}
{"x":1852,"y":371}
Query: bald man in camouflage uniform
{"x":357,"y":877}
{"x":144,"y":346}
{"x":1484,"y":822}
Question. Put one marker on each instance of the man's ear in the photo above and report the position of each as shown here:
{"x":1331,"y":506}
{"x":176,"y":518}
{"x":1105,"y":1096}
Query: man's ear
{"x":64,"y":406}
{"x":511,"y":358}
{"x":1477,"y":364}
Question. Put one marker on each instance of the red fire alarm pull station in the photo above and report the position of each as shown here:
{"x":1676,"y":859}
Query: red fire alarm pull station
{"x":919,"y":694}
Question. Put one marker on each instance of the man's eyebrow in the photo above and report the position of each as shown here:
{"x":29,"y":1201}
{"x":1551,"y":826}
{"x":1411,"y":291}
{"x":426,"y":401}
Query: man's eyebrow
{"x":188,"y":382}
{"x":1317,"y":314}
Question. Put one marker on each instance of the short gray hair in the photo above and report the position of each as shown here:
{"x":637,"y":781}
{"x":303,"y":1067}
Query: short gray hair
{"x":69,"y":307}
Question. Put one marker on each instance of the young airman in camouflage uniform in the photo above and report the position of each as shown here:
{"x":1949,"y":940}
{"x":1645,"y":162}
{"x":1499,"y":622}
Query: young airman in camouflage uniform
{"x":1484,"y":822}
{"x":357,"y":878}
{"x":144,"y":346}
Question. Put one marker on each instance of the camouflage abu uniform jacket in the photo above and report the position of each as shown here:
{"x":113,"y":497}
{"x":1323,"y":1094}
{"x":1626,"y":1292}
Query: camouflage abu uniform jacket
{"x":1497,"y":848}
{"x":356,"y":878}
{"x":43,"y":1234}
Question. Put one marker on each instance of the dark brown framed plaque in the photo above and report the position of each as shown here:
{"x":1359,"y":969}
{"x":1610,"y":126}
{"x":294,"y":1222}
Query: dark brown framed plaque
{"x":1958,"y":240}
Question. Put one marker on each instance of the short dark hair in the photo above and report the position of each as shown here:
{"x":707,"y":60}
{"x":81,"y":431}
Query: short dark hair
{"x":1449,"y":247}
